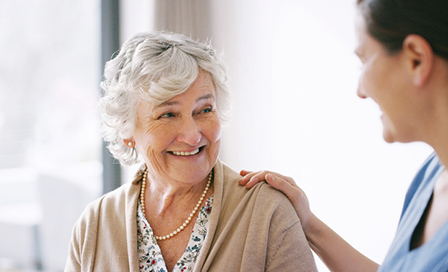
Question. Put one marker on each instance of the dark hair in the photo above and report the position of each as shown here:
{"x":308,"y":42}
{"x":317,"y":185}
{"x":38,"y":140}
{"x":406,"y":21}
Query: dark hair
{"x":391,"y":21}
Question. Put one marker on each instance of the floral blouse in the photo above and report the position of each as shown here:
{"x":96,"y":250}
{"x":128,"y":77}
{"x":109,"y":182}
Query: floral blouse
{"x":150,"y":255}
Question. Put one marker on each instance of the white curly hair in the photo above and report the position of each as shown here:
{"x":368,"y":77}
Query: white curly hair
{"x":154,"y":67}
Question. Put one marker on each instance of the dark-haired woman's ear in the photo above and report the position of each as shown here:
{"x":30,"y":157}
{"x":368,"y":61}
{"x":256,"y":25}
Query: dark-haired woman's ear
{"x":420,"y":57}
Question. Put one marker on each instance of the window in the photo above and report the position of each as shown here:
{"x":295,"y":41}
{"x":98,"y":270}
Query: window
{"x":49,"y":127}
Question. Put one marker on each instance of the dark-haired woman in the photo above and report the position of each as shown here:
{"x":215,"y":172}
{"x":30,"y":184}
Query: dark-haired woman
{"x":403,"y":46}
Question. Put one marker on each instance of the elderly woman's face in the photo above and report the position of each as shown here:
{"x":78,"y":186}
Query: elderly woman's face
{"x":180,"y":138}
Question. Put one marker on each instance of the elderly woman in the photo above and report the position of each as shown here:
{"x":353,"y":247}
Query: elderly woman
{"x":165,"y":101}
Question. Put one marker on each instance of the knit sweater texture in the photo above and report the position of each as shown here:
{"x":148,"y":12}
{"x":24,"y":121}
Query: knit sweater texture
{"x":250,"y":230}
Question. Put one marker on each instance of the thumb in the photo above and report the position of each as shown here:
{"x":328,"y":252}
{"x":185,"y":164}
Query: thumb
{"x":281,"y":185}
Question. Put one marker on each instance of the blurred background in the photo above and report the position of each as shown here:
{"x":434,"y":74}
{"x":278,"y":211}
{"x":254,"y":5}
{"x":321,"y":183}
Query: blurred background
{"x":293,"y":78}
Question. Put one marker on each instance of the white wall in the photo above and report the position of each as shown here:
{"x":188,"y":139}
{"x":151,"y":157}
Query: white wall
{"x":294,"y":79}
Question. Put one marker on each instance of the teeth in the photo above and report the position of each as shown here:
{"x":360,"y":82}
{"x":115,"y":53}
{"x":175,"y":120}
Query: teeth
{"x":182,"y":153}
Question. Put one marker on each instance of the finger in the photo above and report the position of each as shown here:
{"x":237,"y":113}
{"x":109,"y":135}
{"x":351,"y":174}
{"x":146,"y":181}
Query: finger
{"x":258,"y":177}
{"x":285,"y":178}
{"x":280,"y":178}
{"x":289,"y":189}
{"x":247,"y":175}
{"x":245,"y":172}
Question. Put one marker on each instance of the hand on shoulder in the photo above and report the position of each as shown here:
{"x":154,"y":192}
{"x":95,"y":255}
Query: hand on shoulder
{"x":284,"y":184}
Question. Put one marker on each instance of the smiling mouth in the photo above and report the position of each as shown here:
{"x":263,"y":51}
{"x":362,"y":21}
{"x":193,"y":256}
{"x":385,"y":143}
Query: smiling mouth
{"x":184,"y":153}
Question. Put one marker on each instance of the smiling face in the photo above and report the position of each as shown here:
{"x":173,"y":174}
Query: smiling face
{"x":180,"y":138}
{"x":384,"y":78}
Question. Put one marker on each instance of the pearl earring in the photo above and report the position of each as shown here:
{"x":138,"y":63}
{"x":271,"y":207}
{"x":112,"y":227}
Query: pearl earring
{"x":130,"y":144}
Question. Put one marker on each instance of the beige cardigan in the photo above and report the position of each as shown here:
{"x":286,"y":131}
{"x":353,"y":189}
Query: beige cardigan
{"x":250,"y":230}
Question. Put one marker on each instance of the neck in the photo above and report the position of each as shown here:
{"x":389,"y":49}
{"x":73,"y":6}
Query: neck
{"x":163,"y":205}
{"x":443,"y":156}
{"x":436,"y":111}
{"x":435,"y":129}
{"x":438,"y":140}
{"x":164,"y":196}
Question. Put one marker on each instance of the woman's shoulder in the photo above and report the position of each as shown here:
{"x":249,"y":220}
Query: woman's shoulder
{"x":113,"y":202}
{"x":424,"y":177}
{"x":121,"y":193}
{"x":262,"y":195}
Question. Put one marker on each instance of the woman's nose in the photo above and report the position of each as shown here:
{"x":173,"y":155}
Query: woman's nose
{"x":189,"y":132}
{"x":359,"y":91}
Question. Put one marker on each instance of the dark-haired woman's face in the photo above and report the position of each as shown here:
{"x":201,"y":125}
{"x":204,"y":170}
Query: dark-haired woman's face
{"x":383,"y":79}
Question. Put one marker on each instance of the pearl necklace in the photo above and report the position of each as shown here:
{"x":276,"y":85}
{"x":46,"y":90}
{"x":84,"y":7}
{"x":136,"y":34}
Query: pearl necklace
{"x":182,"y":227}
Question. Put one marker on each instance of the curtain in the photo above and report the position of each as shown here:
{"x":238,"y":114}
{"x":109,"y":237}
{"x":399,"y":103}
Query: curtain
{"x":188,"y":17}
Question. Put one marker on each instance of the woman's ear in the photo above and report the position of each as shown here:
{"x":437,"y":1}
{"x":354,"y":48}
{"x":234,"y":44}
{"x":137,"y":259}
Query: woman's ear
{"x":420,"y":58}
{"x":129,"y":142}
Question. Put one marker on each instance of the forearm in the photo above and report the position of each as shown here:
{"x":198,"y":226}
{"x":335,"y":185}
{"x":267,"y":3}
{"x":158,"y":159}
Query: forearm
{"x":334,"y":251}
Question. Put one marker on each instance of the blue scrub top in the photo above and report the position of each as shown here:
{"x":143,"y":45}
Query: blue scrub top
{"x":432,"y":255}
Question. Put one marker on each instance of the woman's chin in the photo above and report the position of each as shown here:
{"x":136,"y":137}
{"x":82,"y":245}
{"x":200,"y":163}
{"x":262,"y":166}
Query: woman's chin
{"x":388,"y":140}
{"x":387,"y":136}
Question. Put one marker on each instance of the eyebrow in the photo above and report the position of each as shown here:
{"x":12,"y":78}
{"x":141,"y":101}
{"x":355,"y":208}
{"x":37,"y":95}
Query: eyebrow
{"x":170,"y":103}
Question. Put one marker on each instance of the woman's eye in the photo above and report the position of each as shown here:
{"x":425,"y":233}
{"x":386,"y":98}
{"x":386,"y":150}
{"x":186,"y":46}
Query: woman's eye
{"x":207,"y":110}
{"x":166,"y":115}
